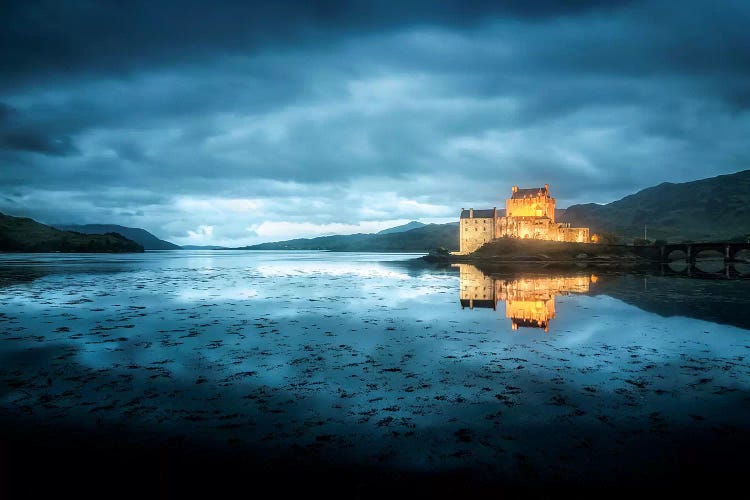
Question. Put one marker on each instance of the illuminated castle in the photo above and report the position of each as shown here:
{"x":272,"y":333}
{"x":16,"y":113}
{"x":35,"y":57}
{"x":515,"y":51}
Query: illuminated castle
{"x":529,"y":213}
{"x":529,"y":302}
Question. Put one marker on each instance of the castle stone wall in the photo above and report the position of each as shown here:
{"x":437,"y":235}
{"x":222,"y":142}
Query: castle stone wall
{"x":574,"y":234}
{"x":475,"y":232}
{"x":531,"y":227}
{"x":540,"y":206}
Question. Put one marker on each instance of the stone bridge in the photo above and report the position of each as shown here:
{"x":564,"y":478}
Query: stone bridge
{"x":691,"y":250}
{"x":661,"y":253}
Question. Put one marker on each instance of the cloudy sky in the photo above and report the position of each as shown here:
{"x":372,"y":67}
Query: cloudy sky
{"x":240,"y":122}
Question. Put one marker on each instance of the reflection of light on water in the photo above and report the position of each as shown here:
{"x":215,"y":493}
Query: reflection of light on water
{"x":710,"y":266}
{"x":529,"y":302}
{"x":329,"y":268}
{"x":321,"y":350}
{"x":192,"y":295}
{"x":415,"y":291}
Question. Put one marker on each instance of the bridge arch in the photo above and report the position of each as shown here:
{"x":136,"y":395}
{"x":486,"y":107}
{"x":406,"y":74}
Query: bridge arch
{"x":742,"y":268}
{"x":708,"y":253}
{"x":677,"y":266}
{"x":740,"y":255}
{"x":690,"y":252}
{"x":676,"y":253}
{"x":711,"y":266}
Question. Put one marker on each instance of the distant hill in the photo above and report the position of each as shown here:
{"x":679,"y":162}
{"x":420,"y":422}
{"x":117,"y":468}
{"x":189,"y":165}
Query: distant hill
{"x":717,"y":208}
{"x":405,"y":227}
{"x":140,"y":236}
{"x":421,"y":239}
{"x":19,"y":234}
{"x":203,"y":247}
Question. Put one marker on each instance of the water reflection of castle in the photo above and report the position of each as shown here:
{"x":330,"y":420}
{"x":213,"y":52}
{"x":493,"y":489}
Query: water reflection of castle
{"x":529,"y":302}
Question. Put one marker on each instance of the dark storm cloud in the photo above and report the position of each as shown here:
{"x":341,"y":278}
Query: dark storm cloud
{"x":20,"y":136}
{"x":43,"y":38}
{"x":29,"y":140}
{"x":165,"y":110}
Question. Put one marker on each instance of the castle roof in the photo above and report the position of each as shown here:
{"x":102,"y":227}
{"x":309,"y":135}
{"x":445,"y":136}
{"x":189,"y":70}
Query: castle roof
{"x":530,"y":193}
{"x":479,"y":214}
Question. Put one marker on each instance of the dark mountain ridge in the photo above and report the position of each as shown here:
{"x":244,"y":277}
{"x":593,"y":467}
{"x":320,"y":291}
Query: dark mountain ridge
{"x":717,"y":208}
{"x":421,"y":239}
{"x":402,"y":228}
{"x":140,"y":236}
{"x":20,"y":234}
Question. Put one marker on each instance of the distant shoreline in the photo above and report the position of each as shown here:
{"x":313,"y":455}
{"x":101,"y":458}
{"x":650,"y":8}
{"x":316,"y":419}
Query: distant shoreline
{"x":516,"y":251}
{"x":512,"y":250}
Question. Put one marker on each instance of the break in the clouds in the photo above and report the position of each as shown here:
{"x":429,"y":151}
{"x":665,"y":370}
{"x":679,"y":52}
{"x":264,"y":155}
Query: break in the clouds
{"x":233,"y":123}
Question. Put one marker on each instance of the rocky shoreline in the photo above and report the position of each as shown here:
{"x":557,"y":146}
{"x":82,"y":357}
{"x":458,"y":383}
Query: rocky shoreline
{"x":509,"y":251}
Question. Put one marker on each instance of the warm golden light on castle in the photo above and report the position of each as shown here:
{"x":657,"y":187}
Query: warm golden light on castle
{"x":529,"y":302}
{"x":529,"y":213}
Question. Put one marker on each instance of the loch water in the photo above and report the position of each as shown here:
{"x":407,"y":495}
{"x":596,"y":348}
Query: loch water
{"x":526,"y":375}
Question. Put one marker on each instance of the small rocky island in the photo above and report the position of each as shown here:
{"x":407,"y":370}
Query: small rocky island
{"x":509,"y":249}
{"x":526,"y":231}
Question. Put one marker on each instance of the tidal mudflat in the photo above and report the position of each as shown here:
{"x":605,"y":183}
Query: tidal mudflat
{"x":364,"y":374}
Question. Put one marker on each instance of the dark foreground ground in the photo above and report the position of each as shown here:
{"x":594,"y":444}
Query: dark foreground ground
{"x":48,"y":462}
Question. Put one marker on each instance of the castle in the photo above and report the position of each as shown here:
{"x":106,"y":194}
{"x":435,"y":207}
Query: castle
{"x":529,"y":213}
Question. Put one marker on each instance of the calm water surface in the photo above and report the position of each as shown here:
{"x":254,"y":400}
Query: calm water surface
{"x":378,"y":359}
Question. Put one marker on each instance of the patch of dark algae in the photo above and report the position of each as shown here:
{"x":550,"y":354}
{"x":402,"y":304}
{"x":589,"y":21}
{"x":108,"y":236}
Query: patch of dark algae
{"x":51,"y":462}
